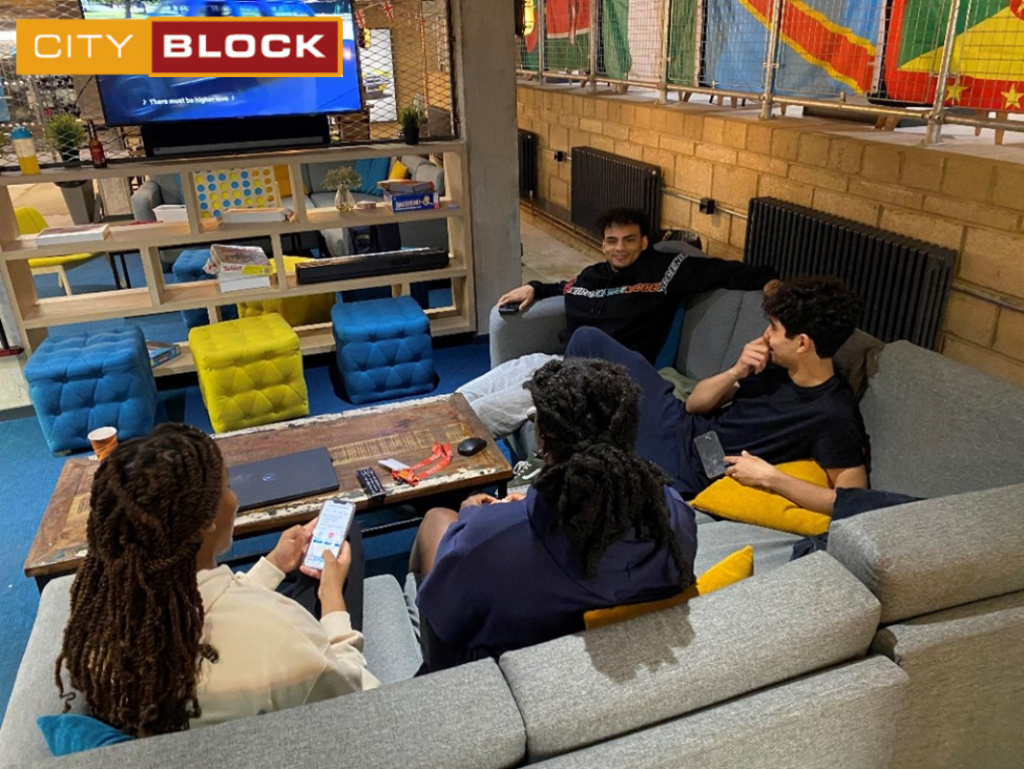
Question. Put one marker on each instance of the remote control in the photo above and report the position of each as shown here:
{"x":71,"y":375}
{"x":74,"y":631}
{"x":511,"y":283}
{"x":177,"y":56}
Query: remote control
{"x":371,"y":484}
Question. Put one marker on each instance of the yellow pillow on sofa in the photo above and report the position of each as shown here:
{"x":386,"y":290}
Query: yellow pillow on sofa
{"x":731,"y":499}
{"x":398,"y":171}
{"x":732,"y":568}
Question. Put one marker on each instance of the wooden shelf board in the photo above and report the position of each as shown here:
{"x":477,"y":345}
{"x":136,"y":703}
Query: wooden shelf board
{"x":62,"y":310}
{"x":325,"y":218}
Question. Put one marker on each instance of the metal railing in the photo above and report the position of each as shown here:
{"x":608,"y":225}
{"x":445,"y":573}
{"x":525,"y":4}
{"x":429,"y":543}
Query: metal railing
{"x":955,"y":62}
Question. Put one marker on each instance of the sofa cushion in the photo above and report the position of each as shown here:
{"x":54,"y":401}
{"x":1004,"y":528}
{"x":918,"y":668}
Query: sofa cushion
{"x":772,"y":549}
{"x":931,"y":555}
{"x":587,"y":687}
{"x":842,"y":717}
{"x":716,"y":327}
{"x":428,"y":172}
{"x":730,"y":499}
{"x":398,"y":171}
{"x":371,"y":171}
{"x":938,"y":427}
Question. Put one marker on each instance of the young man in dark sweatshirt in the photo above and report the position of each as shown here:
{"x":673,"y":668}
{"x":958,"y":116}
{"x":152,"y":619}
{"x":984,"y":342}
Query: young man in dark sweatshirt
{"x":632,"y":297}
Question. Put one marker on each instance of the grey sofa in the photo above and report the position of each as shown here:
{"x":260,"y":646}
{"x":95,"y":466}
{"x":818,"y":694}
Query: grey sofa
{"x":902,"y":646}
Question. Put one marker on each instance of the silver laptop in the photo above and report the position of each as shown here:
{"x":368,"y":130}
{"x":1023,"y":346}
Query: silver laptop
{"x":284,"y":478}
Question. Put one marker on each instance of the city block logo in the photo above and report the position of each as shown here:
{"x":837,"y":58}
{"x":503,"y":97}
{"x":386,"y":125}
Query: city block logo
{"x":181,"y":47}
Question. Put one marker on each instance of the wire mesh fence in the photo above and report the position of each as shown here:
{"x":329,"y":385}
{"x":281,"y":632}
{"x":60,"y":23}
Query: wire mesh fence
{"x":403,"y":50}
{"x":878,"y":57}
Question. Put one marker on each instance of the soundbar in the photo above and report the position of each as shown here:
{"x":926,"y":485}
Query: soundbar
{"x":368,"y":265}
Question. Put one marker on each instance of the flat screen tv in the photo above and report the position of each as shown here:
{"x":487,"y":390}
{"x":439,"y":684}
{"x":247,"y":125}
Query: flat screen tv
{"x":141,"y":100}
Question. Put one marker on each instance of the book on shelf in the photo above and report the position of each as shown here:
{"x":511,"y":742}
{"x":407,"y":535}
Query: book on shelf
{"x":161,"y":352}
{"x":228,"y":261}
{"x":73,"y":234}
{"x":255,"y":215}
{"x":236,"y":282}
{"x":405,"y":186}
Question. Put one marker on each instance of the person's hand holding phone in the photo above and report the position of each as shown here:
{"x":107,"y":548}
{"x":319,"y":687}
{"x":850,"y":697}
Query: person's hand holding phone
{"x":753,"y":359}
{"x":332,"y":580}
{"x":523,"y":296}
{"x":291,"y":547}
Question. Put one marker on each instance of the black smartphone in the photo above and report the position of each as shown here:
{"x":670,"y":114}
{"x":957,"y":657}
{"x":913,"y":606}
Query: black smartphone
{"x":711,"y":454}
{"x":509,"y":309}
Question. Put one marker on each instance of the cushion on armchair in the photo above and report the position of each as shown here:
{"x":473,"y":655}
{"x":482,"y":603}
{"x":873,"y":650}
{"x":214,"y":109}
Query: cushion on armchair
{"x":371,"y":171}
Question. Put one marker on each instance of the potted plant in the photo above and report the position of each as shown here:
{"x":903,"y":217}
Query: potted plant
{"x":65,"y":136}
{"x":411,"y":118}
{"x":343,"y":179}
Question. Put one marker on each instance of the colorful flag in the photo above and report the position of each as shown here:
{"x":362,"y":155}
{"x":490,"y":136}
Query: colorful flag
{"x":685,"y":23}
{"x":631,"y":35}
{"x":567,"y":31}
{"x":826,"y":47}
{"x":987,"y":65}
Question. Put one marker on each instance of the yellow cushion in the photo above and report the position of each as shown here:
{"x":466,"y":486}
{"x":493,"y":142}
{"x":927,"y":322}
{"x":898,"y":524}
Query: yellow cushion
{"x":732,"y":568}
{"x":731,"y":499}
{"x":398,"y":171}
{"x":296,"y":310}
{"x":284,"y":181}
{"x":250,"y":372}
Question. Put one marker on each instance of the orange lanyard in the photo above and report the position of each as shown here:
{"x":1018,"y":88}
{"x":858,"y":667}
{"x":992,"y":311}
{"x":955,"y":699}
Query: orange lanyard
{"x":441,"y":454}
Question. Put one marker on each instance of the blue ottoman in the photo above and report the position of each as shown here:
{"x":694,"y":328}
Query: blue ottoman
{"x":384,"y":349}
{"x":83,"y":381}
{"x":189,"y":267}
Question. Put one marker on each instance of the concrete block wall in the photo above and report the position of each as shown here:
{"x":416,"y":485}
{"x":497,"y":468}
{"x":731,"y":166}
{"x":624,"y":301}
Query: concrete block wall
{"x":968,"y":197}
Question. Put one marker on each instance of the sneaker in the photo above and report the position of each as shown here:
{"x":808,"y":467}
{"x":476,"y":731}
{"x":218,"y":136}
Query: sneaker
{"x":527,"y":470}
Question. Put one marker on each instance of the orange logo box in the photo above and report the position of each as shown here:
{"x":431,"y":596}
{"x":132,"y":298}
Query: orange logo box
{"x":175,"y":46}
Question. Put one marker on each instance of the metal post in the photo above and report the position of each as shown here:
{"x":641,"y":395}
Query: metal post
{"x":933,"y":134}
{"x":593,"y":46}
{"x":663,"y":23}
{"x":541,"y":22}
{"x":771,"y":61}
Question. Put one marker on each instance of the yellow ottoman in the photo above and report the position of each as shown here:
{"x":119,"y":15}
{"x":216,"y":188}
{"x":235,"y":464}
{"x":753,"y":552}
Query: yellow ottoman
{"x":296,"y":310}
{"x":250,"y":372}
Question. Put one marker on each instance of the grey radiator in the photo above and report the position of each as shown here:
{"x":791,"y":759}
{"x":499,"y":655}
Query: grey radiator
{"x":904,"y":282}
{"x":527,"y":165}
{"x":601,"y":180}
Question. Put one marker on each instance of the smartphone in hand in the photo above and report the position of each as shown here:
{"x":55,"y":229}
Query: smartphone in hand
{"x":330,"y":532}
{"x":711,"y":454}
{"x":510,"y":308}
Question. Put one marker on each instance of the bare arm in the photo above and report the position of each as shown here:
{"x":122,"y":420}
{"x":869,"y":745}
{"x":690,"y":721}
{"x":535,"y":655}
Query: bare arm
{"x":714,"y":392}
{"x":756,"y":473}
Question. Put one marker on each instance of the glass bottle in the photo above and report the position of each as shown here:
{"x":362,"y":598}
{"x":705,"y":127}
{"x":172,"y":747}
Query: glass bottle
{"x":25,"y":148}
{"x":99,"y":157}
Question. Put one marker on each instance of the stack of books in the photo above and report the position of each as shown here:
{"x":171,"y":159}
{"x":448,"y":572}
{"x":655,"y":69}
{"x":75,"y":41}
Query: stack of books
{"x":161,"y":352}
{"x":405,"y":186}
{"x":80,"y":233}
{"x":239,"y":268}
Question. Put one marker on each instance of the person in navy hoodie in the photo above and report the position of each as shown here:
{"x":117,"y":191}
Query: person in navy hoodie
{"x":600,"y":527}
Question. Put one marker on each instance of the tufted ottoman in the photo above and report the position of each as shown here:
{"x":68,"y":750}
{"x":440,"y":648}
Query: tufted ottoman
{"x":384,"y":349}
{"x":188,"y":267}
{"x":83,"y":381}
{"x":296,"y":310}
{"x":250,"y":372}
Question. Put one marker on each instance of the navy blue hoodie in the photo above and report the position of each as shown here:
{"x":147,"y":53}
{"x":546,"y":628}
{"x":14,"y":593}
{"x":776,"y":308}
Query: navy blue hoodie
{"x":504,"y":579}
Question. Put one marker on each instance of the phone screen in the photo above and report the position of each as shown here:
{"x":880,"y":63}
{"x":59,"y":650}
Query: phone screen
{"x":712,"y":456}
{"x":330,"y":532}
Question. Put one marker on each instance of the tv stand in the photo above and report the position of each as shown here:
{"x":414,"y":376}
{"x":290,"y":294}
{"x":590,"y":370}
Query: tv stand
{"x":206,"y":137}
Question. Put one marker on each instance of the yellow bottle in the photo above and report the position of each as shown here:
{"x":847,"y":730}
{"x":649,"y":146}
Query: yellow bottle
{"x":25,"y":148}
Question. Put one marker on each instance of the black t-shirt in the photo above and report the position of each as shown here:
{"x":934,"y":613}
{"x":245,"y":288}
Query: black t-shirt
{"x":778,"y":421}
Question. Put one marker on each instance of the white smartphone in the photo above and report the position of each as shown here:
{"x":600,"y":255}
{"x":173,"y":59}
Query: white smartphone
{"x":330,"y":532}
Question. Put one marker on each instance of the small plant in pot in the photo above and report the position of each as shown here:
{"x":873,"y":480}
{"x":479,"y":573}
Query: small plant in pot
{"x":411,"y":118}
{"x":65,"y":136}
{"x":343,"y":179}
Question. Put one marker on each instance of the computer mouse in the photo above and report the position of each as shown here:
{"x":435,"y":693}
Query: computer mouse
{"x":472,"y":446}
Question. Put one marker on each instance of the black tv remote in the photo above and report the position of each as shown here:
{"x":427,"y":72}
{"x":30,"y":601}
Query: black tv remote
{"x":371,"y":484}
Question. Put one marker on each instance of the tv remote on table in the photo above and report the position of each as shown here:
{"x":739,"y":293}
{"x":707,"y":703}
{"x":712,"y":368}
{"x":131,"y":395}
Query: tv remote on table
{"x":371,"y":484}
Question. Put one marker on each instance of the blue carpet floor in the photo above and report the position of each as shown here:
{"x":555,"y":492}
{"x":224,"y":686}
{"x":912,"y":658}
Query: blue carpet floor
{"x":29,"y":472}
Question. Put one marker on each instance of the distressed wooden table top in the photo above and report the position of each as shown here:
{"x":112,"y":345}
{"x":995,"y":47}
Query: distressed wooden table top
{"x":355,"y":439}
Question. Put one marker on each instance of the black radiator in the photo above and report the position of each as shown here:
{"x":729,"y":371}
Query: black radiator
{"x":904,"y":282}
{"x":527,"y":165}
{"x":601,"y":180}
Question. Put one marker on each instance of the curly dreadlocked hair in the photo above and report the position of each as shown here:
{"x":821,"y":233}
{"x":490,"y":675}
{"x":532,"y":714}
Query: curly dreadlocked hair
{"x":588,"y":412}
{"x":133,"y":641}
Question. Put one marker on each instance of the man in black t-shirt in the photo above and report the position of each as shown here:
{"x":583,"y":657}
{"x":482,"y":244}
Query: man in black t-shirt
{"x":781,"y":401}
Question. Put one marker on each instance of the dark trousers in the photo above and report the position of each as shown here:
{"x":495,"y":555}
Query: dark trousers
{"x":661,"y":413}
{"x":303,"y":589}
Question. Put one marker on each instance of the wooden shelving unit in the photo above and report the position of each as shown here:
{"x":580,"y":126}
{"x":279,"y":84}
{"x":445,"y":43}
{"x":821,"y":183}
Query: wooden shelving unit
{"x":35,"y":315}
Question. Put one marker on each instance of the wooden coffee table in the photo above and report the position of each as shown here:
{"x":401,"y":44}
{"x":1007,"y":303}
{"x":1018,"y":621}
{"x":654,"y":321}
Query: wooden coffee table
{"x":355,"y":439}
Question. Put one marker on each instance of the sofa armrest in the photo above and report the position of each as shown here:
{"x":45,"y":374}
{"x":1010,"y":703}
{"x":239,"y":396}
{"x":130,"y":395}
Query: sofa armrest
{"x":144,"y":200}
{"x":535,"y":330}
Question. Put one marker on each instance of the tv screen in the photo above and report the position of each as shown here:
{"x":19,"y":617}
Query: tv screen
{"x":139,"y":99}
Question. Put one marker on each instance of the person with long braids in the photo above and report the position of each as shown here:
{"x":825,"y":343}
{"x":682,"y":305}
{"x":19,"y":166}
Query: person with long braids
{"x":599,"y":527}
{"x":161,"y":639}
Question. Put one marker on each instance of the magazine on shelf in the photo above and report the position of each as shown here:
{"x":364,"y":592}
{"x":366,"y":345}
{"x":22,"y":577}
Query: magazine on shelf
{"x":237,"y":261}
{"x":161,"y":352}
{"x":74,"y":234}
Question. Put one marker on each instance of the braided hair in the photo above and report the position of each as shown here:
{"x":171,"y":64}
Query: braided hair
{"x":588,"y":412}
{"x":133,"y":640}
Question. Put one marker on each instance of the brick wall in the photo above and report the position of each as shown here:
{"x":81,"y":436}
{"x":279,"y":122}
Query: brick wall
{"x":969,"y":198}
